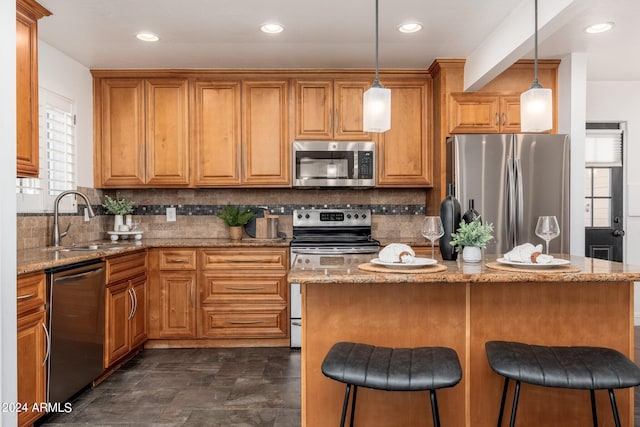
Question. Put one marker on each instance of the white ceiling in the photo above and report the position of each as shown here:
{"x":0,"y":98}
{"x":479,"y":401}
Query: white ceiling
{"x":324,"y":33}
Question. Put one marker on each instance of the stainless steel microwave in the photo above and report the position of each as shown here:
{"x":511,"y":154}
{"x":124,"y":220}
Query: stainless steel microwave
{"x":327,"y":164}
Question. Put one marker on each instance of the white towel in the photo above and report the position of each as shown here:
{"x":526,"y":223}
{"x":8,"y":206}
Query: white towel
{"x":397,"y":252}
{"x":524,"y":252}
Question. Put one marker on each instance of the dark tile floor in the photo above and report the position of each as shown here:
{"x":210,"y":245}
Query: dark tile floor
{"x":195,"y":387}
{"x":205,"y":387}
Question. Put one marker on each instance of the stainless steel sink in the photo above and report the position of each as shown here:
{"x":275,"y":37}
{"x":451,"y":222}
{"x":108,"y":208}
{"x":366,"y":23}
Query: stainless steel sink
{"x":90,"y":248}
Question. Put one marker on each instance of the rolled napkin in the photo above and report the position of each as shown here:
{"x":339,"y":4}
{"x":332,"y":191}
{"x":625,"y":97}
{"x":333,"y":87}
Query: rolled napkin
{"x":397,"y":252}
{"x":528,"y":253}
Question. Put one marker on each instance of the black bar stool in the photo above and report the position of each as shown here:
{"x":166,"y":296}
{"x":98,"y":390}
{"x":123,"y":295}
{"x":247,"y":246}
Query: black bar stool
{"x":585,"y":368}
{"x":391,"y":369}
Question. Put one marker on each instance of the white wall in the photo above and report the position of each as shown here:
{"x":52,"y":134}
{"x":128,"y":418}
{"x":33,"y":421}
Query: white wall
{"x":572,"y":81}
{"x":8,"y":364}
{"x":64,"y":76}
{"x":618,"y":101}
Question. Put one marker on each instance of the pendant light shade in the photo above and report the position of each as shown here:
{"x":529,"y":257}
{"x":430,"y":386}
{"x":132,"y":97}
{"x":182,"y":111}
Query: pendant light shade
{"x":376,"y":103}
{"x":536,"y":109}
{"x":377,"y":109}
{"x":536,"y":104}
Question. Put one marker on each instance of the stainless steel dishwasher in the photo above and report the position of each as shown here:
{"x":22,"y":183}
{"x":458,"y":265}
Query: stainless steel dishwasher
{"x":76,"y":312}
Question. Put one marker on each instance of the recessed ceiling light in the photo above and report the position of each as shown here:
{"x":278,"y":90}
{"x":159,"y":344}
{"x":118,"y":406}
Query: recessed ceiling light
{"x":599,"y":28}
{"x":410,"y":27}
{"x":271,"y":28}
{"x":147,"y":37}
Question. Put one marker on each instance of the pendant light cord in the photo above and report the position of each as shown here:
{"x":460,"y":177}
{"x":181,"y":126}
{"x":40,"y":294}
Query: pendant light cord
{"x":376,"y":82}
{"x":535,"y":55}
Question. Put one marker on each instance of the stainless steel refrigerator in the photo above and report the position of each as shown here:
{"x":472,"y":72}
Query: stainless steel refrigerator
{"x":513,"y":179}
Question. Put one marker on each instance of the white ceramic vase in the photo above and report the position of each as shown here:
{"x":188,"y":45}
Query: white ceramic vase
{"x":471,"y":254}
{"x":118,"y":220}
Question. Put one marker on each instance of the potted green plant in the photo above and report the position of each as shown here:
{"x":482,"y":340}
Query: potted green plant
{"x":235,"y":217}
{"x":118,"y":207}
{"x":470,"y":238}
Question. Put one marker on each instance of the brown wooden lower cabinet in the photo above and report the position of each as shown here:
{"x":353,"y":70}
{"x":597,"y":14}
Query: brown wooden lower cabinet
{"x":219,"y":296}
{"x":126,"y":321}
{"x":31,"y":346}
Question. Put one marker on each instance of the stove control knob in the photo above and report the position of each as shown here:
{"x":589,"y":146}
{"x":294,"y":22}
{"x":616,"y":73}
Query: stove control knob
{"x":356,"y":216}
{"x":364,"y":216}
{"x":348,"y":216}
{"x":299,"y":216}
{"x":306,"y":216}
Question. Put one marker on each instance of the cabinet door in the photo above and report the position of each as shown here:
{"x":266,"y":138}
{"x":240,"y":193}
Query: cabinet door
{"x":265,"y":124}
{"x":314,"y":109}
{"x":404,"y":151}
{"x":167,"y":132}
{"x":138,"y":323}
{"x":177,"y":317}
{"x":348,"y":110}
{"x":31,"y":367}
{"x":216,"y":133}
{"x":118,"y":310}
{"x":510,"y":114}
{"x":121,"y":129}
{"x":27,"y":154}
{"x":473,"y":113}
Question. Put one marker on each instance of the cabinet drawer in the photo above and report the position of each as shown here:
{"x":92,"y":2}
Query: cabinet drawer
{"x":30,"y":292}
{"x":126,"y":266}
{"x":239,"y":321}
{"x":254,"y":258}
{"x":179,"y":259}
{"x":226,"y":288}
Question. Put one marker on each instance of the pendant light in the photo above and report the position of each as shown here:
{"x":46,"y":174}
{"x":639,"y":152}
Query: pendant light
{"x":377,"y":101}
{"x":536,"y":109}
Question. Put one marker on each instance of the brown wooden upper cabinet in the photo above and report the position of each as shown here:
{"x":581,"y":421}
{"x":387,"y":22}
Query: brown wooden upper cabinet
{"x":404,"y":151}
{"x":240,"y":133}
{"x":330,"y":109}
{"x":27,"y":154}
{"x":484,"y":113}
{"x":141,"y":128}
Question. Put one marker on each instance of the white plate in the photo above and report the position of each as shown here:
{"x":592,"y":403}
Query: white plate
{"x":417,"y":263}
{"x":553,"y":263}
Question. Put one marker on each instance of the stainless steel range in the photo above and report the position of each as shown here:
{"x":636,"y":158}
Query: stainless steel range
{"x":320,"y":238}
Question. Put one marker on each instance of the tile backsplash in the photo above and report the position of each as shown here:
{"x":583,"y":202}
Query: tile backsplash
{"x":396,"y":213}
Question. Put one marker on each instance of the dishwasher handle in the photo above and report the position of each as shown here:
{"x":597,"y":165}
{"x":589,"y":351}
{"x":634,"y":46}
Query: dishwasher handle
{"x":76,"y":277}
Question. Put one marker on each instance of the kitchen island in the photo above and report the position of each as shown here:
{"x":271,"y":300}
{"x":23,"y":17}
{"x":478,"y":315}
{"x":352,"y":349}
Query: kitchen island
{"x":588,"y":303}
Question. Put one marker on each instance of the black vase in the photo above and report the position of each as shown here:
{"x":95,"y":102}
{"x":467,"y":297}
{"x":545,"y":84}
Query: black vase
{"x":450,"y":216}
{"x":471,"y":214}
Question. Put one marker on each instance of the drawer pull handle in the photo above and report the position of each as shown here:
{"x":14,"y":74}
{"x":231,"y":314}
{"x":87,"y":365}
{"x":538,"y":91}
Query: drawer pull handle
{"x":247,"y":288}
{"x":177,"y":260}
{"x":245,"y":322}
{"x":32,"y":294}
{"x":247,"y":260}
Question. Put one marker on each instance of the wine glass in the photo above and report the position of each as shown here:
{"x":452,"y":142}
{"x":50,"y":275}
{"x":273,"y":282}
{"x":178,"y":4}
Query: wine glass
{"x":547,"y":229}
{"x":432,"y":229}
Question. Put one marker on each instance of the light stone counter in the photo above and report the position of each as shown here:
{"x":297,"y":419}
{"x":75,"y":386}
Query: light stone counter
{"x":30,"y":260}
{"x":591,"y":270}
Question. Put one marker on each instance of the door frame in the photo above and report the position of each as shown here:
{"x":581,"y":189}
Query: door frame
{"x":622,"y":125}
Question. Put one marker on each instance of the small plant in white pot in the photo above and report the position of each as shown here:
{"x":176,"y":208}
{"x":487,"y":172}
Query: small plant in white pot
{"x":471,"y":238}
{"x":118,"y":207}
{"x":235,"y":217}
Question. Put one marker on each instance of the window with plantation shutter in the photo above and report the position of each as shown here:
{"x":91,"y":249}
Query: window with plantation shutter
{"x":57,"y":158}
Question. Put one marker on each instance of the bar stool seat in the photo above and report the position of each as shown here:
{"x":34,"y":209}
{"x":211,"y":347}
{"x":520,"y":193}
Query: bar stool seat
{"x":587,"y":368}
{"x":392,"y":369}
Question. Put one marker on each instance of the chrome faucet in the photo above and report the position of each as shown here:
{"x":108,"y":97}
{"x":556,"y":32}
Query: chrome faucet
{"x":57,"y":235}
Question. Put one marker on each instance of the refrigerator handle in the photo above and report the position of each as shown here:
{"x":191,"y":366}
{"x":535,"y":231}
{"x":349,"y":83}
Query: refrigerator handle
{"x":510,"y":205}
{"x":520,"y":199}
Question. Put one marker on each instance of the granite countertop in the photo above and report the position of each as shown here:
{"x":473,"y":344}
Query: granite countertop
{"x":344,"y":269}
{"x":30,"y":260}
